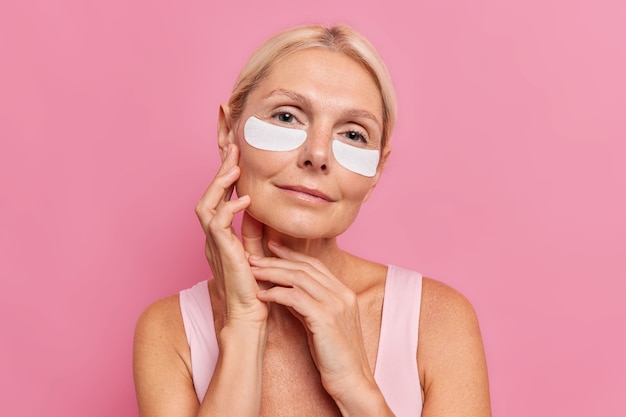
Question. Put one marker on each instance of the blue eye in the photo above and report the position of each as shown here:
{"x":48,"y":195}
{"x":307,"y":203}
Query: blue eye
{"x":285,"y":117}
{"x":355,"y":136}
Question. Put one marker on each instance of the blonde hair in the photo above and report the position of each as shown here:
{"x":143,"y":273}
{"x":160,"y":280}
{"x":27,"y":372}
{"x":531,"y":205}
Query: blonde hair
{"x":338,"y":38}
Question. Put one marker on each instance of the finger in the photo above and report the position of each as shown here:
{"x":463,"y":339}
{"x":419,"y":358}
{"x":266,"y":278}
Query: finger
{"x":220,"y":225}
{"x":252,"y":235}
{"x":284,"y":252}
{"x":295,"y":298}
{"x":317,"y":315}
{"x":225,"y":171}
{"x":218,"y":192}
{"x":294,"y":279}
{"x":231,"y":160}
{"x":311,"y":267}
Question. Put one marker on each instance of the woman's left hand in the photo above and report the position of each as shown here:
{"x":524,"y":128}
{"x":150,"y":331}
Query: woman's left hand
{"x":328,"y":310}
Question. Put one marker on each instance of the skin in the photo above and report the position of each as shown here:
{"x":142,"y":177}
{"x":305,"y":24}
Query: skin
{"x":296,"y":316}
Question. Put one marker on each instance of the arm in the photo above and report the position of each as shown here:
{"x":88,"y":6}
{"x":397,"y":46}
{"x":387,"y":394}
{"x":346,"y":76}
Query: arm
{"x":235,"y":388}
{"x":450,"y":355}
{"x":161,"y":354}
{"x":161,"y":366}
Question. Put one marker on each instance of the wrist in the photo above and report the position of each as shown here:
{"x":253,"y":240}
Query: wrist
{"x":237,"y":335}
{"x":367,"y":400}
{"x":235,"y":387}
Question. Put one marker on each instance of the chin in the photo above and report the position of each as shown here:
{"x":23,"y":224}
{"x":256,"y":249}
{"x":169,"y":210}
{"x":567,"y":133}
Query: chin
{"x":299,"y":227}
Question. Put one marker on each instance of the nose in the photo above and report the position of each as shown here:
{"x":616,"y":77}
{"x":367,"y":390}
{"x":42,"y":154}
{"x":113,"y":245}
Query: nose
{"x":315,"y":152}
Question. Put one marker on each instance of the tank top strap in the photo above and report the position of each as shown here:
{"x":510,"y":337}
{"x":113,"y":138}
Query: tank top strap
{"x":195,"y":306}
{"x":396,"y":369}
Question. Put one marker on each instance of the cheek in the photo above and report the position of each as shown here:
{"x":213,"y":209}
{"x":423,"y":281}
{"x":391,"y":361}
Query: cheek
{"x":256,"y":167}
{"x":355,"y":187}
{"x":354,"y":194}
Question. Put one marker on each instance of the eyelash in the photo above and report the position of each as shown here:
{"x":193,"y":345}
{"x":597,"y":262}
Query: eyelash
{"x":358,"y":136}
{"x":278,"y":115}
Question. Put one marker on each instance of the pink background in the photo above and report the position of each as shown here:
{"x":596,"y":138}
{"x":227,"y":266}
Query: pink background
{"x":507,"y":181}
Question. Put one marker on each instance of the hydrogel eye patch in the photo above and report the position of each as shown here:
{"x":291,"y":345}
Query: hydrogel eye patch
{"x":361,"y":161}
{"x":269,"y":137}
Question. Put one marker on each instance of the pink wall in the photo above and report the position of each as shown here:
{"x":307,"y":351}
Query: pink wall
{"x":507,"y":181}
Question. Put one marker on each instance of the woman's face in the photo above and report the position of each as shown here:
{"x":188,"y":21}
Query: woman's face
{"x":305,"y":192}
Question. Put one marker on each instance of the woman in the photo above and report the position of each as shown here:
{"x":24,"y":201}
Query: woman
{"x":290,"y":324}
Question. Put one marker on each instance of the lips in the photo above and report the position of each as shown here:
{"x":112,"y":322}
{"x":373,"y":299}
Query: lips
{"x":306,"y":192}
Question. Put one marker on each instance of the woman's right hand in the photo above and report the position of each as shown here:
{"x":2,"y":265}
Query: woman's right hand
{"x":242,"y":337}
{"x":226,"y":254}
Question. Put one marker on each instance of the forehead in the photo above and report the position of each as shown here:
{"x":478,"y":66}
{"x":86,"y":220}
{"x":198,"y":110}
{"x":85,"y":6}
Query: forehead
{"x":328,"y":79}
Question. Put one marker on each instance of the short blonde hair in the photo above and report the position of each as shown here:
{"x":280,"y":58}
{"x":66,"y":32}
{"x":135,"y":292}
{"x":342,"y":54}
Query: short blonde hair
{"x":338,"y":38}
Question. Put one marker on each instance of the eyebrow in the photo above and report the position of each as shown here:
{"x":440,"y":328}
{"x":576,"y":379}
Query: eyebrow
{"x":354,"y":113}
{"x":291,"y":94}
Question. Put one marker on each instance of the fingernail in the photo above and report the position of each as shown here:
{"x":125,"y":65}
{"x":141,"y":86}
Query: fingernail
{"x":254,"y":258}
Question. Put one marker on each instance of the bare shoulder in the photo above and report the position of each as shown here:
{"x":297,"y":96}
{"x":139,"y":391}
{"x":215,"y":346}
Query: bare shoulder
{"x":161,"y":361}
{"x":450,"y":354}
{"x":160,"y":329}
{"x":161,"y":324}
{"x":445,"y":309}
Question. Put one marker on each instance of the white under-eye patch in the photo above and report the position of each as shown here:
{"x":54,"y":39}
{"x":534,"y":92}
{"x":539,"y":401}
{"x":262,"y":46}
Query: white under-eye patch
{"x":358,"y":160}
{"x":269,"y":137}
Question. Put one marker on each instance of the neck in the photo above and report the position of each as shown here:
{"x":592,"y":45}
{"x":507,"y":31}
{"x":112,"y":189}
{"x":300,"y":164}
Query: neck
{"x":325,"y":250}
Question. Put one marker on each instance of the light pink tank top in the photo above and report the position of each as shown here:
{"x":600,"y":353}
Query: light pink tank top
{"x":396,"y":367}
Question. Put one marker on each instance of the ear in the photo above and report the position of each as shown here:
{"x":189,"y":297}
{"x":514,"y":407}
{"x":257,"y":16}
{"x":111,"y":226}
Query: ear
{"x":225,"y":130}
{"x":381,"y":166}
